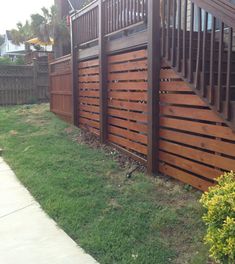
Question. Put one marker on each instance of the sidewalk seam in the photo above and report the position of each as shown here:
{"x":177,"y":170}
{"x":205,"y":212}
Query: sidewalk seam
{"x":17,"y":210}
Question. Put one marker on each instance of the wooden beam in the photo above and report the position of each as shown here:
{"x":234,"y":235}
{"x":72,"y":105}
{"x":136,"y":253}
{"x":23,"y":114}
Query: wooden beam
{"x":154,"y":66}
{"x":122,"y":44}
{"x":103,"y":75}
{"x":74,"y":75}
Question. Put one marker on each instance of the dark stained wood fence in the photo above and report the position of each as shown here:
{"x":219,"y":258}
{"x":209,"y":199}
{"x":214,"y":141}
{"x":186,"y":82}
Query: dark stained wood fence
{"x":88,"y":96}
{"x":196,"y":145}
{"x":24,"y":84}
{"x":127,"y":101}
{"x":130,"y":82}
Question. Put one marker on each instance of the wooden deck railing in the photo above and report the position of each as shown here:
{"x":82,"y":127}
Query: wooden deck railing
{"x":193,"y":37}
{"x":119,"y":15}
{"x":197,"y":41}
{"x":197,"y":38}
{"x":86,"y":24}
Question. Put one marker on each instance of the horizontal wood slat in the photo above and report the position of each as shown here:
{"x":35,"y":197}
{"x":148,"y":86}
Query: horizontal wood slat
{"x":88,"y":64}
{"x":183,"y":176}
{"x":127,"y":96}
{"x":214,"y":160}
{"x":175,"y":86}
{"x":129,"y":56}
{"x":89,"y":95}
{"x":142,"y":128}
{"x":128,"y":134}
{"x":88,"y":71}
{"x":181,"y":99}
{"x":197,"y":127}
{"x":130,"y":145}
{"x":140,"y":106}
{"x":194,"y":113}
{"x":189,"y":165}
{"x":129,"y":66}
{"x":128,"y":115}
{"x":89,"y":123}
{"x":128,"y":76}
{"x":195,"y":146}
{"x":215,"y":145}
{"x":132,"y":96}
{"x":128,"y":86}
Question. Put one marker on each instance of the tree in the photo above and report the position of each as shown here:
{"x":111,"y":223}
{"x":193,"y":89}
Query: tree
{"x":43,"y":26}
{"x":22,"y":33}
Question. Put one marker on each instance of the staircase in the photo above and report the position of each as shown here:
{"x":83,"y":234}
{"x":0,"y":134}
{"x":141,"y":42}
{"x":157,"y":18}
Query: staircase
{"x":201,"y":50}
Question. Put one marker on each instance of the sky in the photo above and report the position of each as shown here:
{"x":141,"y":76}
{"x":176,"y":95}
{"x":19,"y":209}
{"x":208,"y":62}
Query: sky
{"x":14,"y":11}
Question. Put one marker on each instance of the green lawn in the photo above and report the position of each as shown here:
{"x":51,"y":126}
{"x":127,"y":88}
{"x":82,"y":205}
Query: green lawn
{"x":141,"y":220}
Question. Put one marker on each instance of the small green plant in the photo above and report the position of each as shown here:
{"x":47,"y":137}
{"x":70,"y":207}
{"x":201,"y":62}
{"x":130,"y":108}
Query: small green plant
{"x":219,"y":218}
{"x":32,"y":100}
{"x":19,"y":61}
{"x":8,"y":61}
{"x":5,"y":60}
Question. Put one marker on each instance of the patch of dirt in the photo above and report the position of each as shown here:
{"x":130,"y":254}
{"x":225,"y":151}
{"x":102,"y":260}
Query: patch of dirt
{"x":33,"y":114}
{"x":37,"y":121}
{"x":38,"y":109}
{"x":129,"y":165}
{"x":13,"y":133}
{"x":114,"y":204}
{"x":124,"y":161}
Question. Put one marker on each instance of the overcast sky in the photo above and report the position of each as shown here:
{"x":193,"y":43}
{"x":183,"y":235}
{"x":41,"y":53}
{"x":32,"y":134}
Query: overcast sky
{"x":14,"y":11}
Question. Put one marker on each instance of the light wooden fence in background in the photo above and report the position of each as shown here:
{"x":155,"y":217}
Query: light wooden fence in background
{"x":20,"y":84}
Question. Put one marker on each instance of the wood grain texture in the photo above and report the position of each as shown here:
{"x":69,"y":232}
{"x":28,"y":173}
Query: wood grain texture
{"x":196,"y":146}
{"x":89,"y":95}
{"x":61,"y":88}
{"x":127,"y":97}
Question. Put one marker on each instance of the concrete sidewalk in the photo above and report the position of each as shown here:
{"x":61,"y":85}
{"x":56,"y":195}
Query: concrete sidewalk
{"x":27,"y":234}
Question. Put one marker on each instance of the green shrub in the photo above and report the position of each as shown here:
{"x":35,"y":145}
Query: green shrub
{"x":219,"y":218}
{"x":19,"y":61}
{"x":5,"y":60}
{"x":8,"y":61}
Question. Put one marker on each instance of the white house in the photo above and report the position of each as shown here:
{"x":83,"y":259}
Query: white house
{"x":10,"y":49}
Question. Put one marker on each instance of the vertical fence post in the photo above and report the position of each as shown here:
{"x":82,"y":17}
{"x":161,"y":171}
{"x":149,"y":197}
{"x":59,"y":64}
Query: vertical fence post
{"x":74,"y":72}
{"x":103,"y":74}
{"x":154,"y":66}
{"x":35,"y":79}
{"x":50,"y":86}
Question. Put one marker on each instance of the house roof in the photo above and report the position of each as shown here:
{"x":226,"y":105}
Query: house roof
{"x":76,"y":3}
{"x":8,"y":33}
{"x":65,"y":6}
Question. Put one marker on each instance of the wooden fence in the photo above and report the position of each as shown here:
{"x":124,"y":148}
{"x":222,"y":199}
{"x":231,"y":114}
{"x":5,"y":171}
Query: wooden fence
{"x":61,"y":88}
{"x":119,"y":85}
{"x":24,"y":84}
{"x":195,"y":144}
